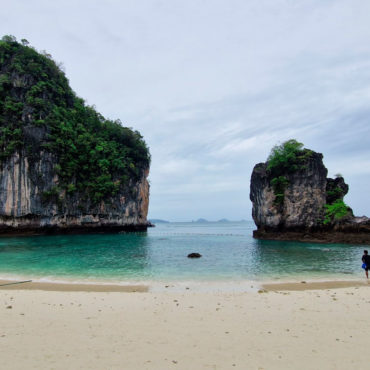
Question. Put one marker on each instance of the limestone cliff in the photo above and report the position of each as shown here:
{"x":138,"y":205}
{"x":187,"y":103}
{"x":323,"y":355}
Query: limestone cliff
{"x":24,"y":209}
{"x":63,"y":166}
{"x":297,"y":201}
{"x":304,"y":197}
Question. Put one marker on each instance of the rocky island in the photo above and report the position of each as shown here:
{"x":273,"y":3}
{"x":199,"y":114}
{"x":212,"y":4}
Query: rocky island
{"x":63,"y":166}
{"x":294,"y":200}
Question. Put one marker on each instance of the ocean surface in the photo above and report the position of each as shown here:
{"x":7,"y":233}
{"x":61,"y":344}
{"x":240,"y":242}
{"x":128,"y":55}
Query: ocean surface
{"x":229,"y":253}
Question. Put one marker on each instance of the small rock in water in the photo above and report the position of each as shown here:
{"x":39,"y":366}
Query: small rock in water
{"x":194,"y":255}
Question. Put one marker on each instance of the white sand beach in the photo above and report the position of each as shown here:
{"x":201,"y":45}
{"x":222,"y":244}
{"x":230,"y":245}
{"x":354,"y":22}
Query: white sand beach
{"x":315,"y":328}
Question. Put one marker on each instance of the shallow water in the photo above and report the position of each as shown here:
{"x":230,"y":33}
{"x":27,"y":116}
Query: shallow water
{"x":228,"y":253}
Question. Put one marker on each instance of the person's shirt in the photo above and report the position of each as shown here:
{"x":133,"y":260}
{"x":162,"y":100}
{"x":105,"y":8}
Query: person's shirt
{"x":366,"y":259}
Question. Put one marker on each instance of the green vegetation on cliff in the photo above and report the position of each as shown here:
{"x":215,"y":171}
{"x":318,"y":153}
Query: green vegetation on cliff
{"x":95,"y":157}
{"x":336,"y":211}
{"x":335,"y":208}
{"x":285,"y":158}
{"x":290,"y":157}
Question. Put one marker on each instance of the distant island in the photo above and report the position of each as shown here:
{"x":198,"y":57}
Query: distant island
{"x":158,"y":221}
{"x":294,"y":200}
{"x":200,"y":220}
{"x":203,"y":220}
{"x":63,"y":166}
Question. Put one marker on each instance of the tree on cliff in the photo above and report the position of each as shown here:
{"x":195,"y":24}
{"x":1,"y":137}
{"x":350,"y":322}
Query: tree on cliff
{"x":290,"y":157}
{"x":95,"y":157}
{"x":287,"y":157}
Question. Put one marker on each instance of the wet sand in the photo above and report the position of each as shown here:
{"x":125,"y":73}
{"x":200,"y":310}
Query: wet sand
{"x":65,"y":287}
{"x":314,"y":285}
{"x":210,"y":286}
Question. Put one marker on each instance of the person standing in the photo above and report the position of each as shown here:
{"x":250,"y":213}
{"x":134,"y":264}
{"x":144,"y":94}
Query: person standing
{"x":366,"y":261}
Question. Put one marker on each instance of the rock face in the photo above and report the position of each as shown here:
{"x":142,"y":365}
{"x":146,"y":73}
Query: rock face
{"x":304,"y":197}
{"x":194,"y":255}
{"x":301,"y":214}
{"x":23,"y":208}
{"x":63,"y":166}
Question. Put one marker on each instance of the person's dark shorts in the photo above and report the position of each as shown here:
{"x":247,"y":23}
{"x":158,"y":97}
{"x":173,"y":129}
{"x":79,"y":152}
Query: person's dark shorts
{"x":367,"y":268}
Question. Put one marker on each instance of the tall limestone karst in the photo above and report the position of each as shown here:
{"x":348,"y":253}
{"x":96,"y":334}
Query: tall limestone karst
{"x":293,"y":199}
{"x":63,"y":166}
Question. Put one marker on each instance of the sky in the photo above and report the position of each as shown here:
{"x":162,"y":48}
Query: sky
{"x":213,"y":85}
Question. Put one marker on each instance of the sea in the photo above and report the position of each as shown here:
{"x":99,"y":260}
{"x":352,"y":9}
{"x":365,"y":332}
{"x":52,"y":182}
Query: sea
{"x":229,"y":254}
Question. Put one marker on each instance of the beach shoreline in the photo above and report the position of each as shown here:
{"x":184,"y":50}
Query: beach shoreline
{"x":173,"y":286}
{"x":71,"y":287}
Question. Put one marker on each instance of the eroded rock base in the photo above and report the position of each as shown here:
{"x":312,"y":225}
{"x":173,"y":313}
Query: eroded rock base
{"x":335,"y":236}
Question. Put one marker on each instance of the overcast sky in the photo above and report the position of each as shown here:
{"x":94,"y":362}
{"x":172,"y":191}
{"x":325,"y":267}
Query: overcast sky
{"x":213,"y":85}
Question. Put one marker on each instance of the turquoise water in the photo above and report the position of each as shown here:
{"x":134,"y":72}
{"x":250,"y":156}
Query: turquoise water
{"x":228,"y":249}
